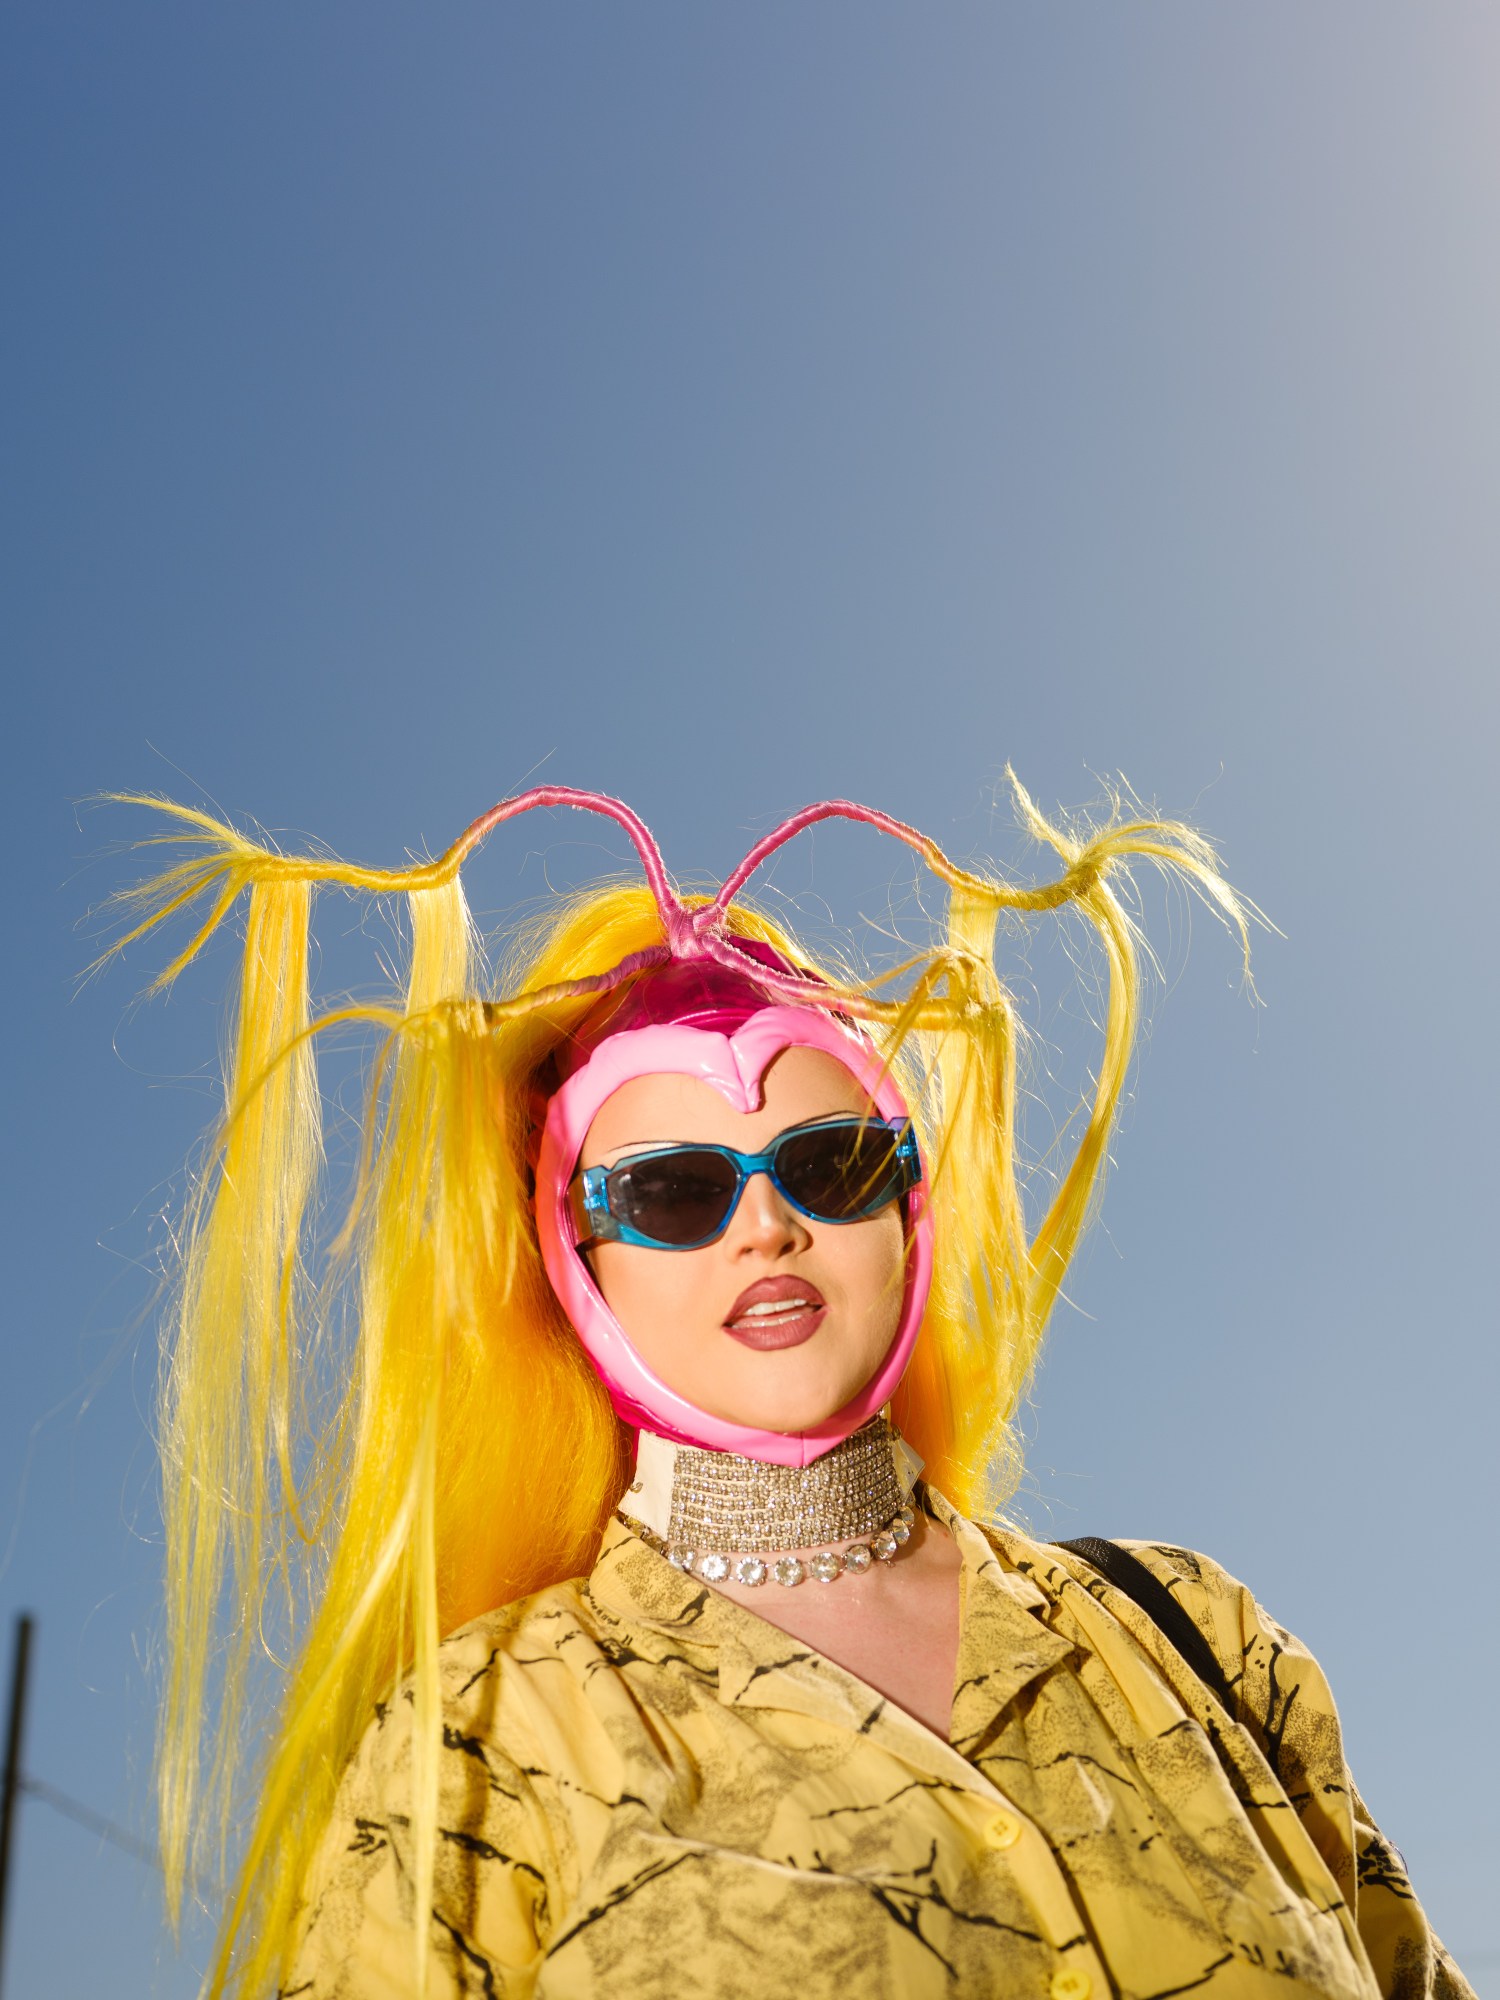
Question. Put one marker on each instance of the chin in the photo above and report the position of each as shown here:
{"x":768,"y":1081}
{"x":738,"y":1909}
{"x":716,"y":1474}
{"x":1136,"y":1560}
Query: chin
{"x":782,"y":1418}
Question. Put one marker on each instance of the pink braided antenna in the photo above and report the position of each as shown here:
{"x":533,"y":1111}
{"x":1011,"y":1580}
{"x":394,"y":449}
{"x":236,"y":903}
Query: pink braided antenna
{"x":708,"y":920}
{"x":929,"y":850}
{"x":700,"y":934}
{"x":677,"y":919}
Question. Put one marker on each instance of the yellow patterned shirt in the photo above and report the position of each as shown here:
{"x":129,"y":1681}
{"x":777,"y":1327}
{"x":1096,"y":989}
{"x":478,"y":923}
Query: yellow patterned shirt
{"x":647,"y":1791}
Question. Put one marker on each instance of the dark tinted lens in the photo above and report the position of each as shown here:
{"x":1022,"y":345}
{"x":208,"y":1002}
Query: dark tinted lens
{"x":677,"y":1197}
{"x":840,"y":1172}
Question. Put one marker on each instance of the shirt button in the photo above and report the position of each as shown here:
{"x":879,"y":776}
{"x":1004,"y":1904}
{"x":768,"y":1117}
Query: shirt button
{"x":1070,"y":1984}
{"x":1004,"y":1830}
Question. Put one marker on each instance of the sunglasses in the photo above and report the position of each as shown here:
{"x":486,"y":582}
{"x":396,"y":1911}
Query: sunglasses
{"x":681,"y":1197}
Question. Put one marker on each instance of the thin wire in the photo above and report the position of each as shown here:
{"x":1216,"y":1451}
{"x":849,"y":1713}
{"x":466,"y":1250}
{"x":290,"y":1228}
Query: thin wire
{"x":38,"y":1788}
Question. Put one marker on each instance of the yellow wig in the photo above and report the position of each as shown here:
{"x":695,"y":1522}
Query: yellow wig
{"x":366,"y":1447}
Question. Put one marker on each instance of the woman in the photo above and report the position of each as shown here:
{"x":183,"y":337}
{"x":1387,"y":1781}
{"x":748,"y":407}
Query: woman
{"x":640,"y":1659}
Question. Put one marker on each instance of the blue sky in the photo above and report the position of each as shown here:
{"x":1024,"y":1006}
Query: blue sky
{"x":729,"y":408}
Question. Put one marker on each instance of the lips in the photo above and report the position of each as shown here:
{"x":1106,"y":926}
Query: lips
{"x":776,"y":1312}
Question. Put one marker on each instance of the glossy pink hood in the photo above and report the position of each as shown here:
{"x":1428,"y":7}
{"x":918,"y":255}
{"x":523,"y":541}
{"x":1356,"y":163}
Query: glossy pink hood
{"x":702,"y":1020}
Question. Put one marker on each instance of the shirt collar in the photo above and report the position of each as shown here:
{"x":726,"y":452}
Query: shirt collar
{"x":1003,"y":1642}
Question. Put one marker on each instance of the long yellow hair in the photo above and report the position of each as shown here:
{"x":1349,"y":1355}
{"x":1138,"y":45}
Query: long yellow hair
{"x":367,"y":1444}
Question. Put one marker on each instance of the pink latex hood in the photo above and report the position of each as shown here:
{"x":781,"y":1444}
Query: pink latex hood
{"x":719,"y":1008}
{"x":718,"y":1026}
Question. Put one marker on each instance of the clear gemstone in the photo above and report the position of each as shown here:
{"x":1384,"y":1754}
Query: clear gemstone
{"x":788,"y":1571}
{"x":857,"y":1557}
{"x":885,"y":1546}
{"x":826,"y":1566}
{"x":680,"y":1558}
{"x":749,"y":1569}
{"x":713,"y":1569}
{"x":900,"y":1532}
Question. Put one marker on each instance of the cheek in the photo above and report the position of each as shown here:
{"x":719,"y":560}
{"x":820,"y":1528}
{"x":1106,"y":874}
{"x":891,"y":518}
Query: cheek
{"x":884,"y":1265}
{"x":642,"y":1287}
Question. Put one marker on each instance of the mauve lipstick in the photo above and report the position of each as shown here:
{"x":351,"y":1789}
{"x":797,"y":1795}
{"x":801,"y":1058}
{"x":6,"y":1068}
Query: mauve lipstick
{"x":805,"y":1309}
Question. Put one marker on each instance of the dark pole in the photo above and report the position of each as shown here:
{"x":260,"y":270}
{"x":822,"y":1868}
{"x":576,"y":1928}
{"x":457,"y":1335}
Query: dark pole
{"x":22,"y":1659}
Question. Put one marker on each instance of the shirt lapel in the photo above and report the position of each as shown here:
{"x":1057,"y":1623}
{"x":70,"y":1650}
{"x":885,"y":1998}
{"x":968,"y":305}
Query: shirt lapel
{"x":1003,"y":1646}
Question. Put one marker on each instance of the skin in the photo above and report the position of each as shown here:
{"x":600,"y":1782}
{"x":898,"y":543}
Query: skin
{"x":895,"y":1626}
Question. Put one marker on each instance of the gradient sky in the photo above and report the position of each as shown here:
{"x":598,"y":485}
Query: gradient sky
{"x":729,"y":407}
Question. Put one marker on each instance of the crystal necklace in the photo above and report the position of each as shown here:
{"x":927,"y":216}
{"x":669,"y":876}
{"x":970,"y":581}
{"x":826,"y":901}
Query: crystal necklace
{"x":718,"y":1516}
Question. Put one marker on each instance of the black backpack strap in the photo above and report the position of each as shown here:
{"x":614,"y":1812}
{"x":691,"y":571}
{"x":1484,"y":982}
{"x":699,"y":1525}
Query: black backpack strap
{"x":1129,"y":1574}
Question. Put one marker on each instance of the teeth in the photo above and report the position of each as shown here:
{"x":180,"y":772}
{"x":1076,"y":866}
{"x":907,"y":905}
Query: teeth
{"x":774,"y":1309}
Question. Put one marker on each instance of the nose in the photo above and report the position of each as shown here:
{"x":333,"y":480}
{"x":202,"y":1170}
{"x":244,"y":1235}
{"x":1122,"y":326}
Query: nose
{"x":765,"y":1223}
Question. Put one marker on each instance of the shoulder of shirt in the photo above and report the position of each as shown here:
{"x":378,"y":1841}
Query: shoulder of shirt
{"x":522,"y":1630}
{"x":1193,"y":1578}
{"x":1223,"y":1608}
{"x":482,"y":1674}
{"x":1187,"y":1573}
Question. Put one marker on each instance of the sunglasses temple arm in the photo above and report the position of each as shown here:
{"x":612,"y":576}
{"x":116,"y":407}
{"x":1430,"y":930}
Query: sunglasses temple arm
{"x":592,"y":1221}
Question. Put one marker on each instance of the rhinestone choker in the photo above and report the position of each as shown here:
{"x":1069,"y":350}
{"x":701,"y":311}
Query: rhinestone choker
{"x":722,"y":1517}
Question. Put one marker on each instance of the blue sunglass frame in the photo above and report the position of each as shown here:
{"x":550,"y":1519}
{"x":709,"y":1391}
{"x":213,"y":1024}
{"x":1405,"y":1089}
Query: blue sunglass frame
{"x":596,"y":1222}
